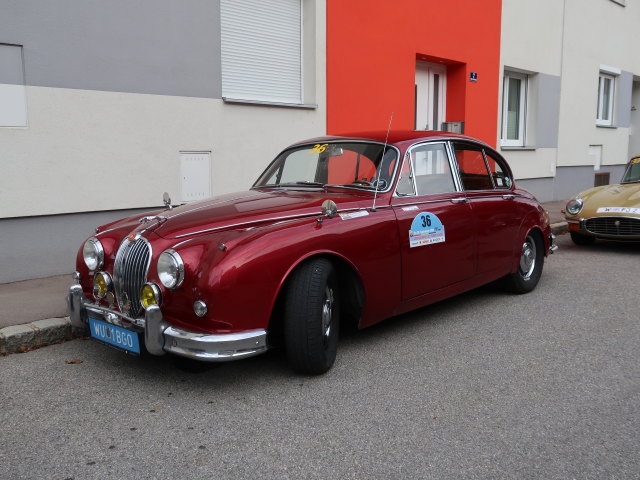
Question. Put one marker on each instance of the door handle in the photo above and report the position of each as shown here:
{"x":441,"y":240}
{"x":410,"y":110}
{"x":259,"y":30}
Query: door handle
{"x":508,"y":196}
{"x":458,"y":200}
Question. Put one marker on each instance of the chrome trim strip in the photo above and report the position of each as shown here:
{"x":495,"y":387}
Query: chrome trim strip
{"x":450,"y":199}
{"x":253,"y":222}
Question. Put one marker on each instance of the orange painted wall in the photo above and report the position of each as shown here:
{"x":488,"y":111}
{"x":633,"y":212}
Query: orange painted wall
{"x":372,"y":47}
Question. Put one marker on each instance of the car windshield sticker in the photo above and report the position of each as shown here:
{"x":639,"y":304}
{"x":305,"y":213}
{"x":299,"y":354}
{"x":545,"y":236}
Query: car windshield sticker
{"x":634,"y":211}
{"x":349,"y":216}
{"x":317,"y":148}
{"x":426,"y":229}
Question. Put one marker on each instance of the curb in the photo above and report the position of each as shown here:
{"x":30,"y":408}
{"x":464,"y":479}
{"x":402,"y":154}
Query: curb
{"x":22,"y":338}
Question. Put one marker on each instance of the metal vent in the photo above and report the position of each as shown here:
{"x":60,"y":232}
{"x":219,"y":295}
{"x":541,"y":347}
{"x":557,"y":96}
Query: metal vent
{"x":614,"y":226}
{"x":130,"y":273}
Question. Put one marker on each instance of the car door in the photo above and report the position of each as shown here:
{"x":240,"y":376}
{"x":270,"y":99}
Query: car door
{"x":435,"y":223}
{"x":488,"y":187}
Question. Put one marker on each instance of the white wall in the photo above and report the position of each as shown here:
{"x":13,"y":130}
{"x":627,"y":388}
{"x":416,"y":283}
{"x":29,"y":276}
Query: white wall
{"x":570,"y":39}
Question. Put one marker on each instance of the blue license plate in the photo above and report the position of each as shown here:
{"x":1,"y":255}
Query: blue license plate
{"x":116,"y":336}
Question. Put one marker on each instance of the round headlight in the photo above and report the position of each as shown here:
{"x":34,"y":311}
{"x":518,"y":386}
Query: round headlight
{"x":93,"y":253}
{"x":574,"y":206}
{"x":101,"y":284}
{"x":150,"y":295}
{"x":170,"y":269}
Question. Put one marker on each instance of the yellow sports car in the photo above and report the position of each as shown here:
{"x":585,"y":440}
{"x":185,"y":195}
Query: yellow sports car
{"x":610,"y":212}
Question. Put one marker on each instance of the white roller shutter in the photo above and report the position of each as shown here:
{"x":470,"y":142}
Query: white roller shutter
{"x":262,"y":50}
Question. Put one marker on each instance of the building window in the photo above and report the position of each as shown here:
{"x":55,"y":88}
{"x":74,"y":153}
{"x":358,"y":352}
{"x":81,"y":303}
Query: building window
{"x":514,"y":109}
{"x":13,"y":97}
{"x":606,"y":92}
{"x":262,"y":50}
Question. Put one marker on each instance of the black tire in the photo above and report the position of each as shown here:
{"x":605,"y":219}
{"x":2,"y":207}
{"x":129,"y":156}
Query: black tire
{"x":580,"y":239}
{"x":530,"y":266}
{"x":312,"y":317}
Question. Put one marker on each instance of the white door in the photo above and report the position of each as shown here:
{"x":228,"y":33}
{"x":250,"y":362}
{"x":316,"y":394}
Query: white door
{"x":431,"y":92}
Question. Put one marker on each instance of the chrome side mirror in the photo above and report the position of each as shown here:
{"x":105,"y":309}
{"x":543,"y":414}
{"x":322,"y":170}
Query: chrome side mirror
{"x":166,"y":199}
{"x":329,"y":208}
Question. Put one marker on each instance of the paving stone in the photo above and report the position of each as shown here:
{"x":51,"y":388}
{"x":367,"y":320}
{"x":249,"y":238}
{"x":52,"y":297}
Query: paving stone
{"x":52,"y":330}
{"x":16,"y":338}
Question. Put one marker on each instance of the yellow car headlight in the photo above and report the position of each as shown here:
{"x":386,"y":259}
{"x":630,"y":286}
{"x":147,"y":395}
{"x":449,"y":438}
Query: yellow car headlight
{"x":102,"y":284}
{"x":150,"y":294}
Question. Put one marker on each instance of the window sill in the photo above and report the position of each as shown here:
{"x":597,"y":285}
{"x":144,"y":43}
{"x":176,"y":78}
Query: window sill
{"x":518,"y":149}
{"x":308,"y":106}
{"x":606,"y":126}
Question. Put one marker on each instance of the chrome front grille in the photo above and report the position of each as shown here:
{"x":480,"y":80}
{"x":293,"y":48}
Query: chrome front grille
{"x":130,"y":273}
{"x":614,"y":226}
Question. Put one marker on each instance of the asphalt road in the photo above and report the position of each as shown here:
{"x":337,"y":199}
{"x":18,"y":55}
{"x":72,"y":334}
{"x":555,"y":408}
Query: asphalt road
{"x":486,"y":385}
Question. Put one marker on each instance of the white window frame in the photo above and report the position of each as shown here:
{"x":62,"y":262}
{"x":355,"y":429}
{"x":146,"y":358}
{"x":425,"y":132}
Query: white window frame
{"x":520,"y":141}
{"x":604,"y":114}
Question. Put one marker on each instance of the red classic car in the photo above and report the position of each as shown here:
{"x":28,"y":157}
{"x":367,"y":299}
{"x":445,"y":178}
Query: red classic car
{"x":354,"y":228}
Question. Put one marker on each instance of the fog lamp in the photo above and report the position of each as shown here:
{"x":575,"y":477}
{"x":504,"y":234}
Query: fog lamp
{"x":101,"y":284}
{"x":150,"y":294}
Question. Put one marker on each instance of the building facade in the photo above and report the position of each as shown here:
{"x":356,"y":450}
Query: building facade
{"x":105,"y":105}
{"x":429,"y":64}
{"x":570,"y":89}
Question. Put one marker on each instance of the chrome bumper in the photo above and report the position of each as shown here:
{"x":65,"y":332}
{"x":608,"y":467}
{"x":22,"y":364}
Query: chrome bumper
{"x":161,"y":338}
{"x":552,"y":243}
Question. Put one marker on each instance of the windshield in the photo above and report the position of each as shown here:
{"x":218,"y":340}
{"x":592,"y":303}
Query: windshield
{"x":633,"y":171}
{"x":344,"y":164}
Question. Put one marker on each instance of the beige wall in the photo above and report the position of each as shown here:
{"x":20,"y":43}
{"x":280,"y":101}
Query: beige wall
{"x":570,"y":39}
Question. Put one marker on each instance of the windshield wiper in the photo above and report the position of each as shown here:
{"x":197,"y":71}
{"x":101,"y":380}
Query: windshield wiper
{"x":305,"y":183}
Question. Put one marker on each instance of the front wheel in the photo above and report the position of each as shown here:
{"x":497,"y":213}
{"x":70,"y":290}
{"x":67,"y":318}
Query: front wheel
{"x":530,"y":266}
{"x":311,"y":317}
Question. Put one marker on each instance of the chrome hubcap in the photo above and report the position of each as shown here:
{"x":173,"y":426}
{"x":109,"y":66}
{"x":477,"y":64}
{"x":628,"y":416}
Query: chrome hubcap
{"x":528,"y":258}
{"x":327,"y":313}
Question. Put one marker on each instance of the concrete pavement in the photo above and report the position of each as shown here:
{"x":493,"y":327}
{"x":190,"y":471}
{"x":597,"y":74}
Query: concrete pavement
{"x":33,"y":313}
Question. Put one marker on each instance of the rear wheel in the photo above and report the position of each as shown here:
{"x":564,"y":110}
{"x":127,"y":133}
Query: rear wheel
{"x":311,"y":317}
{"x":580,"y":239}
{"x":530,"y":266}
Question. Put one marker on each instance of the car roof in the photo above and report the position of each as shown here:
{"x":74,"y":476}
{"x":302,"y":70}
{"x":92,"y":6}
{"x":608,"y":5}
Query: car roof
{"x":394,"y":136}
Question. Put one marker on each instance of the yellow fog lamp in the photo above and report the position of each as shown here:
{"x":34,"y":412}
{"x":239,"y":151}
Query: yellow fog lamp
{"x":150,"y":294}
{"x":102,"y":284}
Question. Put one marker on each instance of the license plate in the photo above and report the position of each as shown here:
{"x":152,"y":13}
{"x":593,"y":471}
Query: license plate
{"x":116,"y":336}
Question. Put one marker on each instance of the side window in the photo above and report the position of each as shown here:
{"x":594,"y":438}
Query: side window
{"x":473,"y":169}
{"x":405,"y":182}
{"x":431,"y":169}
{"x":499,"y":175}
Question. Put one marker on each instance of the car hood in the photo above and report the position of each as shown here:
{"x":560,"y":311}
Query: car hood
{"x":249,"y":209}
{"x":619,"y":195}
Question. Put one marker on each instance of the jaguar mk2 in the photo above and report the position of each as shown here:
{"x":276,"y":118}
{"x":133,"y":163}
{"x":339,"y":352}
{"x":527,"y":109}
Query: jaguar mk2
{"x":337,"y":229}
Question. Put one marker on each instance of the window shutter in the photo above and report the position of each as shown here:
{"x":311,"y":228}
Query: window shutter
{"x":261,"y":50}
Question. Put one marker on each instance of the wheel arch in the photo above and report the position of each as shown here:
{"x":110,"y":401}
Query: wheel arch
{"x":350,"y":284}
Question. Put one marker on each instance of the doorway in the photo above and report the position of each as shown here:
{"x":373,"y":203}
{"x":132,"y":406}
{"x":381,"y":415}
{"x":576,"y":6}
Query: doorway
{"x":634,"y":131}
{"x":430,"y":96}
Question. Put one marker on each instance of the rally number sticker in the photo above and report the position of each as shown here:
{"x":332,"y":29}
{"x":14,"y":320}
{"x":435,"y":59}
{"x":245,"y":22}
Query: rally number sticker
{"x":426,"y":229}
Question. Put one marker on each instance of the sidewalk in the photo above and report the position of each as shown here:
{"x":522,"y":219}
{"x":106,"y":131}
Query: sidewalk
{"x":33,"y":313}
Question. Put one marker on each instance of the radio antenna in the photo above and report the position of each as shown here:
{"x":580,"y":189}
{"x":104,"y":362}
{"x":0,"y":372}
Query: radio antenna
{"x":384,"y":150}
